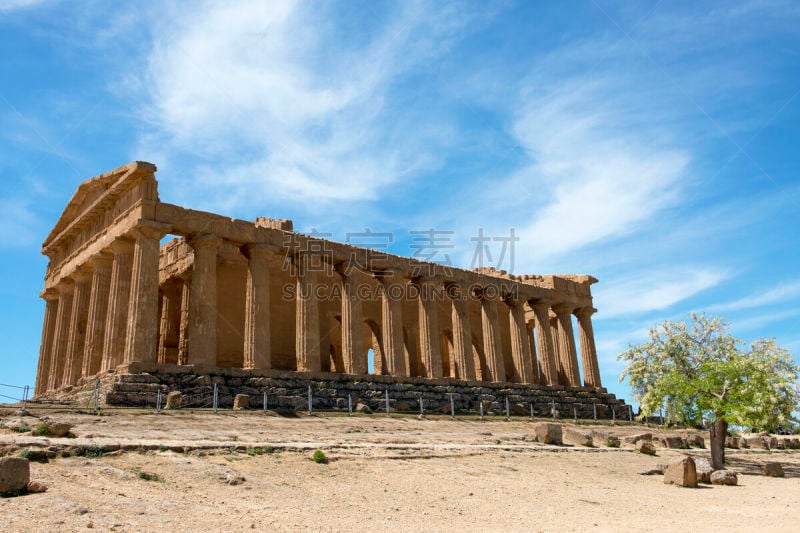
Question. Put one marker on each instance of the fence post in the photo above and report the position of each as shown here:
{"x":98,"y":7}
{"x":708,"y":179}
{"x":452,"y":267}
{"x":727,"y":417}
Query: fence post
{"x":531,"y":410}
{"x":350,"y":404}
{"x":96,"y":394}
{"x":24,"y":397}
{"x":310,"y":400}
{"x":594,"y":409}
{"x":452,"y":406}
{"x":575,"y":413}
{"x":481,"y":406}
{"x":553,"y":408}
{"x":508,"y":410}
{"x":613,"y":414}
{"x":387,"y":402}
{"x":215,"y":397}
{"x":158,"y":401}
{"x":421,"y":407}
{"x":630,"y":414}
{"x":265,"y":401}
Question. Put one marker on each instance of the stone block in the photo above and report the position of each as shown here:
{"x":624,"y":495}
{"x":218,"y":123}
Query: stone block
{"x":724,"y":477}
{"x":695,"y":441}
{"x":703,"y":468}
{"x":681,"y":472}
{"x":241,"y":401}
{"x":757,"y":442}
{"x":174,"y":400}
{"x":646,"y":447}
{"x":633,"y":439}
{"x":773,"y":470}
{"x":674,"y":442}
{"x":577,"y":436}
{"x":15,"y":473}
{"x":36,"y":455}
{"x":547,"y":433}
{"x":732,"y":442}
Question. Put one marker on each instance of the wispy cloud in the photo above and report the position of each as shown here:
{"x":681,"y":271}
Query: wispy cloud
{"x":654,"y":291}
{"x":10,"y":5}
{"x":277,"y":104}
{"x":19,"y":225}
{"x":781,"y":293}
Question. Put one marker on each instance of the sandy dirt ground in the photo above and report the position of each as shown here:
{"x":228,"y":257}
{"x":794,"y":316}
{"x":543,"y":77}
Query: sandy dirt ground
{"x":384,"y":474}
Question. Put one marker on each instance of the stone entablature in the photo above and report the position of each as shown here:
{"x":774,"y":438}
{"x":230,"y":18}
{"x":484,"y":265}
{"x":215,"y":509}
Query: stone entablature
{"x":230,"y":293}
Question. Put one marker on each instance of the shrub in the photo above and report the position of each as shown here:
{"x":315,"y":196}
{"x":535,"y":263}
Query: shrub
{"x":148,"y":476}
{"x":319,"y":457}
{"x":41,"y":430}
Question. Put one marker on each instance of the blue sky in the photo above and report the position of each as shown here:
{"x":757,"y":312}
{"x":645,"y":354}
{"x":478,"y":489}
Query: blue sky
{"x":654,"y":145}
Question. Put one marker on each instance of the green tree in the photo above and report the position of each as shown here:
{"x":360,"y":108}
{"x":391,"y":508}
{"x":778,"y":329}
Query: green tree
{"x":698,"y":370}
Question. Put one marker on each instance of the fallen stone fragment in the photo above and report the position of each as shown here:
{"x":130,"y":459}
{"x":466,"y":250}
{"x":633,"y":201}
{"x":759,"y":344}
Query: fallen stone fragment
{"x":646,"y":447}
{"x":576,"y":436}
{"x":674,"y":442}
{"x":15,"y":473}
{"x":633,"y":439}
{"x":36,"y":455}
{"x":695,"y":441}
{"x":724,"y":477}
{"x":36,"y":487}
{"x":681,"y":472}
{"x":773,"y":470}
{"x":732,"y":442}
{"x":703,"y":468}
{"x":241,"y":401}
{"x":547,"y":433}
{"x":174,"y":400}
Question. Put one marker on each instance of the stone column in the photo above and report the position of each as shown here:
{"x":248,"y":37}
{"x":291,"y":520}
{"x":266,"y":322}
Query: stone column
{"x":392,"y":294}
{"x":183,"y":342}
{"x":520,"y":345}
{"x":591,"y":369}
{"x":353,"y":351}
{"x":66,"y":289}
{"x":566,"y":346}
{"x":492,"y":348}
{"x":544,"y":341}
{"x":462,"y":337}
{"x":203,"y":301}
{"x":534,"y":358}
{"x":50,"y":296}
{"x":142,"y":335}
{"x":118,"y":298}
{"x":429,"y":341}
{"x":98,"y":310}
{"x":76,"y":341}
{"x":307,"y":342}
{"x":257,"y":353}
{"x":169,"y":330}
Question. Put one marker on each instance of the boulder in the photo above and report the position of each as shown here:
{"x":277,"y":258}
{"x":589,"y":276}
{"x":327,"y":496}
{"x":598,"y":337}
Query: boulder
{"x":681,"y":472}
{"x":576,"y":436}
{"x":724,"y":477}
{"x":15,"y":473}
{"x":674,"y":442}
{"x":605,"y":438}
{"x":36,"y":487}
{"x":174,"y":400}
{"x":754,"y":442}
{"x":633,"y":439}
{"x":241,"y":401}
{"x":703,"y":468}
{"x":613,"y":442}
{"x":645,"y":447}
{"x":695,"y":441}
{"x":363,"y":408}
{"x":520,"y":409}
{"x":772,"y":443}
{"x":773,"y":470}
{"x":54,"y":428}
{"x":547,"y":432}
{"x":732,"y":442}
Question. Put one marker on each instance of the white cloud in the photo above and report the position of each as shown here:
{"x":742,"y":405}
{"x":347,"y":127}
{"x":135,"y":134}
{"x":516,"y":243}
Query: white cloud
{"x":653,"y":291}
{"x":281,"y":106}
{"x":781,"y":293}
{"x":11,"y":5}
{"x":19,"y":226}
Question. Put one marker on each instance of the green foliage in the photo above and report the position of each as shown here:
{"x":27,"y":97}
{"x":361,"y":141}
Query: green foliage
{"x":25,"y":454}
{"x":319,"y":457}
{"x":88,"y":451}
{"x":148,"y":476}
{"x":41,"y":430}
{"x":699,"y":370}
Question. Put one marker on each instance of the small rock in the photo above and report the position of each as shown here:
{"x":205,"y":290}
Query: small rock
{"x":36,"y":455}
{"x":362,"y":408}
{"x":36,"y":487}
{"x":645,"y":447}
{"x":773,"y":470}
{"x":15,"y":473}
{"x":703,"y":469}
{"x":233,"y":478}
{"x":58,"y":429}
{"x":547,"y":433}
{"x":241,"y":401}
{"x":724,"y":477}
{"x":681,"y":472}
{"x":174,"y":400}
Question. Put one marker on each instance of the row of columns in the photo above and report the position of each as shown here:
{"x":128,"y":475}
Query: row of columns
{"x":107,"y":313}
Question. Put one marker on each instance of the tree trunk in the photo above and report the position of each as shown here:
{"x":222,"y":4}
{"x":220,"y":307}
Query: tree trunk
{"x":718,"y":431}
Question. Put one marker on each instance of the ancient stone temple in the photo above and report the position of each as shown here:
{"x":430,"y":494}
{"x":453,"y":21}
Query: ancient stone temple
{"x":265,"y":300}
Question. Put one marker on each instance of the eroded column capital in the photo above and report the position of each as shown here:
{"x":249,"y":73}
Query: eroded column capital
{"x":585,"y":312}
{"x":259,"y":250}
{"x":66,"y":286}
{"x":122,"y":246}
{"x":205,"y":240}
{"x":561,"y":309}
{"x":82,"y":274}
{"x":49,"y":295}
{"x":150,"y":229}
{"x":101,"y":261}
